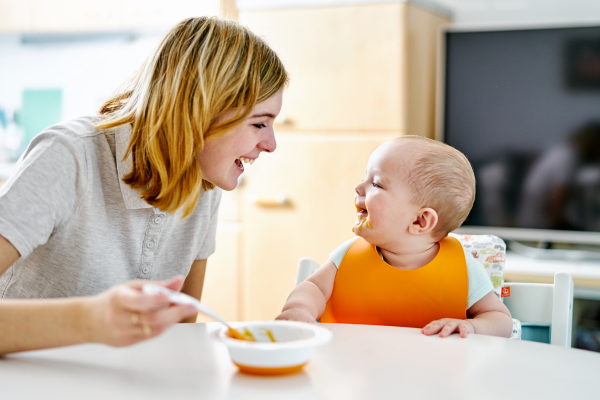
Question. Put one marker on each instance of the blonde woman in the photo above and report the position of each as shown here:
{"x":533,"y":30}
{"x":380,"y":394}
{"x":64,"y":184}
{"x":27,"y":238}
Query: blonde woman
{"x":133,"y":194}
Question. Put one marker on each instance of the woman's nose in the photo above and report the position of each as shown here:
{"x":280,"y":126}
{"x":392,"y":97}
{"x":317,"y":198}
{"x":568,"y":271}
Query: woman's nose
{"x":268,"y":143}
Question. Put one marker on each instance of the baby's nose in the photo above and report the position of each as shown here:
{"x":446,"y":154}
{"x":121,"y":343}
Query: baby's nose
{"x":358,"y":189}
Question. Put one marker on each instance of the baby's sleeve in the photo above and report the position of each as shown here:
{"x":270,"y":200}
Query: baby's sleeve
{"x":479,"y":281}
{"x":338,"y":254}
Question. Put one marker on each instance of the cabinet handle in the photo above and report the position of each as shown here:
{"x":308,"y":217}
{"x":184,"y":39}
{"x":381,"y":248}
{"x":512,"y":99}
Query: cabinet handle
{"x":279,"y":200}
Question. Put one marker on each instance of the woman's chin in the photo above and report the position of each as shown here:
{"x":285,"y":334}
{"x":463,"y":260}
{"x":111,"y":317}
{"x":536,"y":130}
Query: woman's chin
{"x":227,"y":186}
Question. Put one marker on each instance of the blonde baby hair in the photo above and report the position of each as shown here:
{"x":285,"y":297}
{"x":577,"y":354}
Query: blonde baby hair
{"x":441,"y":178}
{"x":203,"y":67}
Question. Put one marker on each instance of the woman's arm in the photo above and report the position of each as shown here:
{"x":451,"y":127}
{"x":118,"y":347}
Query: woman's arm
{"x":8,"y":254}
{"x":307,"y":301}
{"x":193,"y":284}
{"x":120,"y":316}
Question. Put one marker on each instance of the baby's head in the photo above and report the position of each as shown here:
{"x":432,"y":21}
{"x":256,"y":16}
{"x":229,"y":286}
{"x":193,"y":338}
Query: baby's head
{"x":415,"y":189}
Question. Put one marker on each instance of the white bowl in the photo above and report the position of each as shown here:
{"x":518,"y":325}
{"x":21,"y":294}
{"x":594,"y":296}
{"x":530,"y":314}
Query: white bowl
{"x":293,"y":346}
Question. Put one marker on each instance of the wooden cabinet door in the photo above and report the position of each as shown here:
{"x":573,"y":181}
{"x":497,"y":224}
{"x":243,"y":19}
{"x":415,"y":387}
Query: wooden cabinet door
{"x":222,"y":280}
{"x":346,"y":64}
{"x":316,"y":173}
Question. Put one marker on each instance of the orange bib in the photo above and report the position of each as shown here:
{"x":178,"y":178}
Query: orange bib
{"x":367,"y":290}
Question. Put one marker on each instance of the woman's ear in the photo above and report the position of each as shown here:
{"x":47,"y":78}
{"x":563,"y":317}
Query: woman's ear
{"x":426,"y":220}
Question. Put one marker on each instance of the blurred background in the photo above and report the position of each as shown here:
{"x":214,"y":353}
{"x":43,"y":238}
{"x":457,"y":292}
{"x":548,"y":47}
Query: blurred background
{"x":362,"y":72}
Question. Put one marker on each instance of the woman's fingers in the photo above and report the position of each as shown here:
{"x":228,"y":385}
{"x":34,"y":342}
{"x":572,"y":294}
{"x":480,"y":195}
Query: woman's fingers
{"x":125,"y":315}
{"x":174,"y":283}
{"x":133,"y":299}
{"x":159,"y":320}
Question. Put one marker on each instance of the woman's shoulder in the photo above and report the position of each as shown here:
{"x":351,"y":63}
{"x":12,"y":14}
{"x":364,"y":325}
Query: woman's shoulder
{"x":75,"y":128}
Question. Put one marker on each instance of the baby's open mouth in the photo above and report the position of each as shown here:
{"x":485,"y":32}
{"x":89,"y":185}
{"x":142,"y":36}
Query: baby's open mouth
{"x":361,"y":211}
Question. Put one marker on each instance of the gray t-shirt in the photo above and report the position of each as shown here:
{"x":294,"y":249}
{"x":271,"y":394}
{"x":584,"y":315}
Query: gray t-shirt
{"x":80,"y":229}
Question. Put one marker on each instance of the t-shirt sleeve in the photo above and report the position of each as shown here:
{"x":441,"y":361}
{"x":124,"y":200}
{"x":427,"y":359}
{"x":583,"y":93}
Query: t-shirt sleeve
{"x":209,"y":244}
{"x":44,"y":190}
{"x":338,"y":254}
{"x":480,"y":283}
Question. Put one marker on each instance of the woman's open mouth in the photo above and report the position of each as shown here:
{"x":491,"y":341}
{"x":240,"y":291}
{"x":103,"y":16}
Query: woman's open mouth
{"x":240,"y":162}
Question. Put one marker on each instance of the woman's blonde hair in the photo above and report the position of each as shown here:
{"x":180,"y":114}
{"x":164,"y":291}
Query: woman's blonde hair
{"x":203,"y":67}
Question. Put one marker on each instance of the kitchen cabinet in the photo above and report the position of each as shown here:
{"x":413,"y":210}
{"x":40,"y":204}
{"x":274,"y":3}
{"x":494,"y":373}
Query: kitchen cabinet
{"x":363,"y":66}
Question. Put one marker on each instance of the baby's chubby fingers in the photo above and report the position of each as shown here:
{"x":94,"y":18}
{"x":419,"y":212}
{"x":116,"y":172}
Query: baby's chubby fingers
{"x":449,"y":328}
{"x":464,"y":328}
{"x":433,"y":327}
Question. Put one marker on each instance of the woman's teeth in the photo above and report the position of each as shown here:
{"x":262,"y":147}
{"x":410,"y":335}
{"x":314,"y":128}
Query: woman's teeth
{"x":247,"y":160}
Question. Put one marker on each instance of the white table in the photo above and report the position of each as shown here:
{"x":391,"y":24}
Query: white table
{"x":361,"y":362}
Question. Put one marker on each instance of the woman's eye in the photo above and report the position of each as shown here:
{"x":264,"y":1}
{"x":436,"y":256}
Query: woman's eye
{"x":375,"y":184}
{"x":260,"y":126}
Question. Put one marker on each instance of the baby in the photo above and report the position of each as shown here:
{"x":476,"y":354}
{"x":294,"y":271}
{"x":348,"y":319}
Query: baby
{"x":403,"y":269}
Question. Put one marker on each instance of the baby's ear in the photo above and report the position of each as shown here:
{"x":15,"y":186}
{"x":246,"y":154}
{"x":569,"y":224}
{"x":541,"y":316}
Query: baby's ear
{"x":425,"y":221}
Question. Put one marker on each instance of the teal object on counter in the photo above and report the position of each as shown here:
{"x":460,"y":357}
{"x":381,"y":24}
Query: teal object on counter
{"x":41,"y":108}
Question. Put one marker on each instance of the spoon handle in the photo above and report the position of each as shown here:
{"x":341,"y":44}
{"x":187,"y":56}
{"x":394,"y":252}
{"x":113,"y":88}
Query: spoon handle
{"x":182,"y":298}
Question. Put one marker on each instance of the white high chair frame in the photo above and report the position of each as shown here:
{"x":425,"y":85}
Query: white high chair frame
{"x":533,"y":304}
{"x":541,"y":304}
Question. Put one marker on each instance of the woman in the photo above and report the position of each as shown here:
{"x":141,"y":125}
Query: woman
{"x":99,"y":201}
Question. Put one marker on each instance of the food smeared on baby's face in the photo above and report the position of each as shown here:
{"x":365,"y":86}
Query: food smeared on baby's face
{"x":362,"y":219}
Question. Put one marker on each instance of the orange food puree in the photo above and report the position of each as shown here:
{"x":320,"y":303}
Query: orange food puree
{"x":247,"y":335}
{"x":235,"y":334}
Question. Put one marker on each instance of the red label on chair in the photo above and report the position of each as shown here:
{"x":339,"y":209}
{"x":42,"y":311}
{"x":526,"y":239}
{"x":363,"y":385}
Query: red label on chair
{"x":505,"y":291}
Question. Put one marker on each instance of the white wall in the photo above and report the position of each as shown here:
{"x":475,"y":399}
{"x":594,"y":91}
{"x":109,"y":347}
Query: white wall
{"x":491,"y":12}
{"x":87,"y":72}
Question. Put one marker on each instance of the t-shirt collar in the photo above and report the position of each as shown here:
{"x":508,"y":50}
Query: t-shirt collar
{"x":131,"y":197}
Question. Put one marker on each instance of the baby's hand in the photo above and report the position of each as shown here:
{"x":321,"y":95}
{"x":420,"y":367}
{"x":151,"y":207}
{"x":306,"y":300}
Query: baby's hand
{"x":296,"y":314}
{"x":447,"y":326}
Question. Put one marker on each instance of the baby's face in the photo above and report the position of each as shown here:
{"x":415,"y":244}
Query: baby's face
{"x":383,"y":199}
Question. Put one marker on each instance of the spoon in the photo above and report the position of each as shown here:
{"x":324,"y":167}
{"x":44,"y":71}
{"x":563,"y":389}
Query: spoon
{"x":182,"y":298}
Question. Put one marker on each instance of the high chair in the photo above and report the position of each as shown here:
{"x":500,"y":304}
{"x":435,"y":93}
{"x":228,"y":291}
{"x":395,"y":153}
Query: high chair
{"x":541,"y":312}
{"x":544,"y":310}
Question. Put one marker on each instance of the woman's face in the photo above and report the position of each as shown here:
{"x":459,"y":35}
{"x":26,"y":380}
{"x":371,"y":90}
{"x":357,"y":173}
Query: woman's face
{"x":222,"y":158}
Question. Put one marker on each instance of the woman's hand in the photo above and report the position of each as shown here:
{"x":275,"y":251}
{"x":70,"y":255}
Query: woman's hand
{"x":124,"y":315}
{"x":447,"y":326}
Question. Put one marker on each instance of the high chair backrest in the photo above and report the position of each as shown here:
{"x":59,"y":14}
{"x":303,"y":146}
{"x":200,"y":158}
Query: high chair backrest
{"x":544,"y":310}
{"x":306,"y":267}
{"x":490,"y":251}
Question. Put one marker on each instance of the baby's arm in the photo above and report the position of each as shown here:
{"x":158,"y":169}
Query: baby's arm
{"x":307,"y":301}
{"x":488,"y":316}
